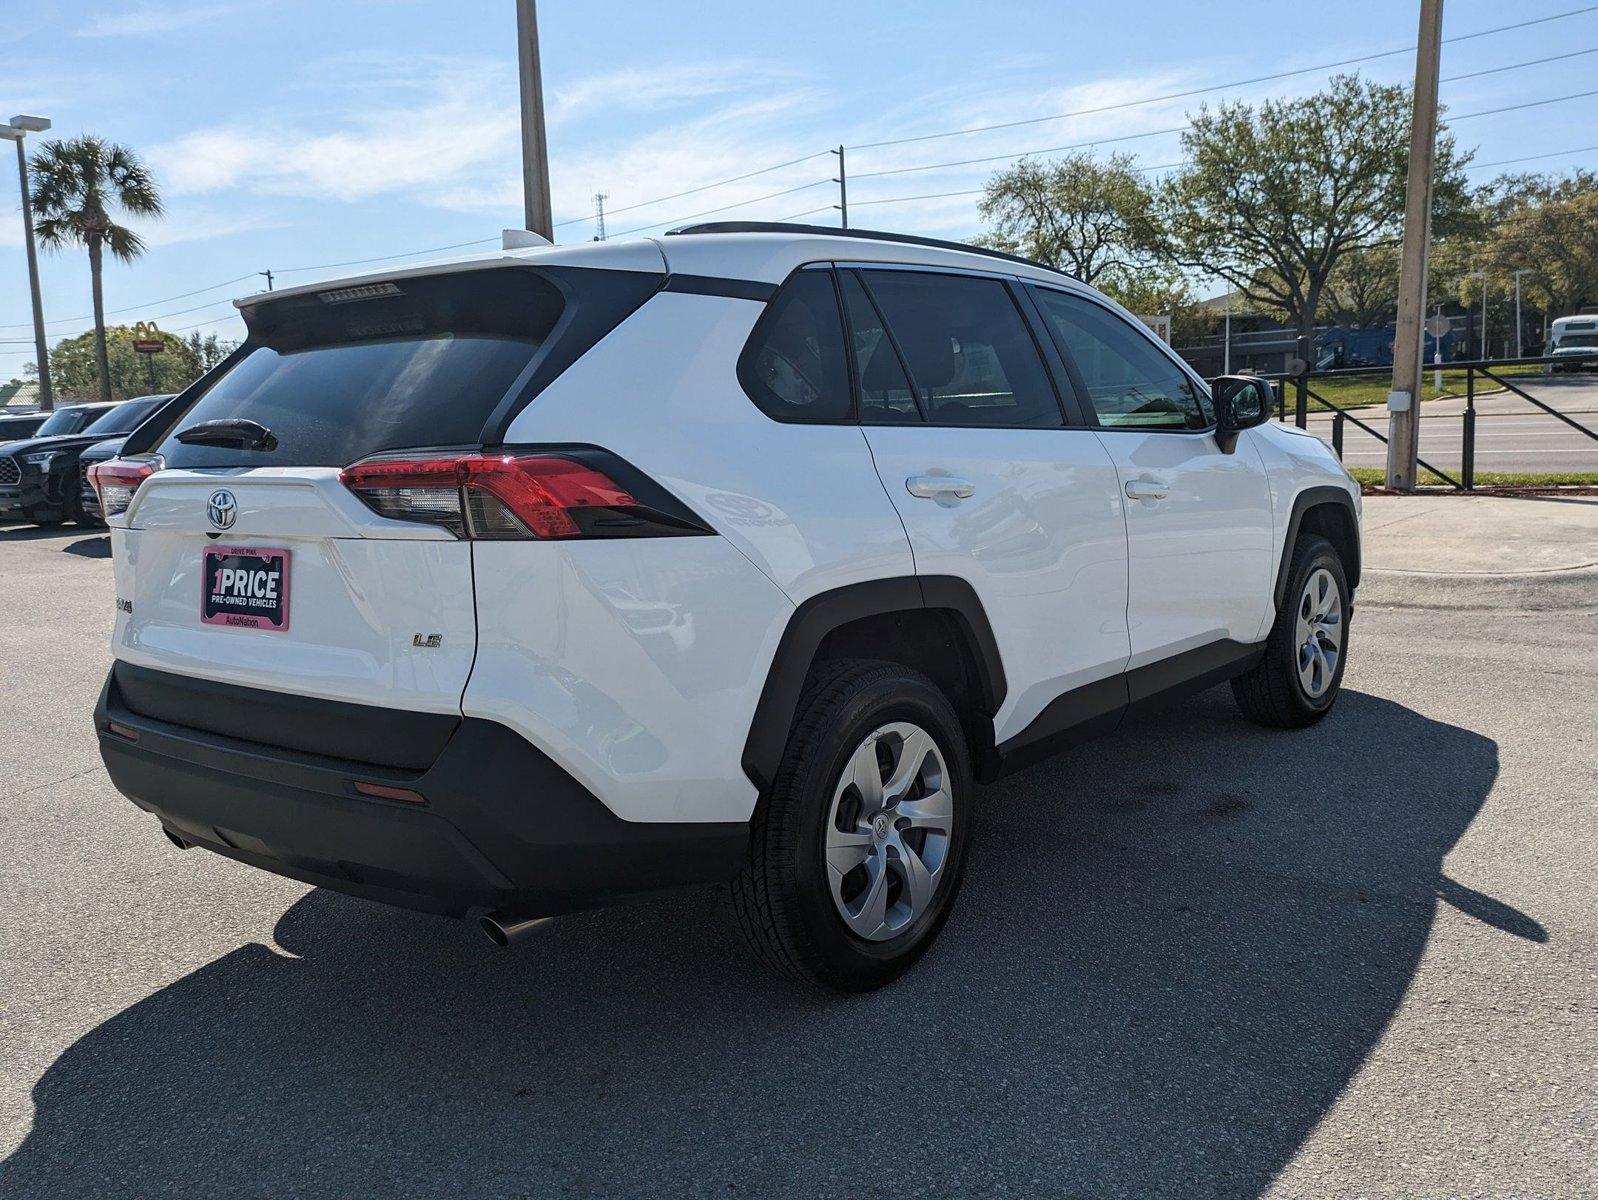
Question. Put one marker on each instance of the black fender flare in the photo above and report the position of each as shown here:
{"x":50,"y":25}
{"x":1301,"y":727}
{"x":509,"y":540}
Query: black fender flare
{"x":819,"y":615}
{"x":1314,"y":497}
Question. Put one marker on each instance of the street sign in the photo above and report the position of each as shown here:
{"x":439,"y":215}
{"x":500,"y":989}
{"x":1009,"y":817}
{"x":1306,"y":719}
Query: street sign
{"x":1438,"y":326}
{"x":149,"y":345}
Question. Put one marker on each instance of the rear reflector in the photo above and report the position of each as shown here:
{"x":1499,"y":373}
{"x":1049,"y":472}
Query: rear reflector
{"x":116,"y":480}
{"x":122,"y":731}
{"x":515,"y":496}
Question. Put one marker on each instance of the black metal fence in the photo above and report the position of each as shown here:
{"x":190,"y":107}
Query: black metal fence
{"x":1303,"y":391}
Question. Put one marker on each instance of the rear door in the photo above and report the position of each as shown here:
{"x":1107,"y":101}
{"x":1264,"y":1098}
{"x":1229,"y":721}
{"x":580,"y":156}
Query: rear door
{"x":1199,"y":524}
{"x":992,"y":483}
{"x":247,"y":560}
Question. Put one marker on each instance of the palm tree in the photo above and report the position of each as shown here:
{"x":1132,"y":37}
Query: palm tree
{"x":77,"y":184}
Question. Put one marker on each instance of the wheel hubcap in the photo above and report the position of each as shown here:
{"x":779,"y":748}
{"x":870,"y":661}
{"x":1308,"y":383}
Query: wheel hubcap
{"x":1320,"y":633}
{"x":887,"y":836}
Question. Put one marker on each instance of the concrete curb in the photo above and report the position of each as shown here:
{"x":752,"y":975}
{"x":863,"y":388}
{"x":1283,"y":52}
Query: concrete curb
{"x":1562,"y":589}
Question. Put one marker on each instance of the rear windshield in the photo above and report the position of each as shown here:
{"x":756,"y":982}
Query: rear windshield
{"x":1578,"y":339}
{"x":341,"y":374}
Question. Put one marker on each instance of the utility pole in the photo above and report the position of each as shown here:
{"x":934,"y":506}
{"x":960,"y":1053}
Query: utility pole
{"x":268,"y":275}
{"x":842,"y":180}
{"x":1403,"y":422}
{"x":535,"y":150}
{"x":599,"y":215}
{"x":19,"y":129}
{"x":1523,"y":271}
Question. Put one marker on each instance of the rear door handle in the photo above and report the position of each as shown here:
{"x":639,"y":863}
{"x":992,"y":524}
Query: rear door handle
{"x":940,"y":487}
{"x":1147,"y":489}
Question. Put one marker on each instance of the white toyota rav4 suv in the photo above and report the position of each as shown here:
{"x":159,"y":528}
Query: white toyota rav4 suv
{"x":521,"y":583}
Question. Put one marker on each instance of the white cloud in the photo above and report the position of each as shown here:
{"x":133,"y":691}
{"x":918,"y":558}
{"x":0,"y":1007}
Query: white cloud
{"x":446,"y":132}
{"x":163,"y":18}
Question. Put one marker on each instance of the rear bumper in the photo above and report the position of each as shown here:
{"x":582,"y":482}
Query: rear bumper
{"x":500,"y":825}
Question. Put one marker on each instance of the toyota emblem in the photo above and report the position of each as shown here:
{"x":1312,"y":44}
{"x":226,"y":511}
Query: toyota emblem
{"x":223,"y":509}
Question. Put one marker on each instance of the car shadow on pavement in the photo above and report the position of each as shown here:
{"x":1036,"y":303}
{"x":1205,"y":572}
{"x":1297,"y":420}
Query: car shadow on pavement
{"x":39,"y":533}
{"x":1175,"y":948}
{"x":93,"y":546}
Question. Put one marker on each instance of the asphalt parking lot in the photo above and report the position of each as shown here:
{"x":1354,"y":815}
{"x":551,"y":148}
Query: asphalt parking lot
{"x":1193,"y":959}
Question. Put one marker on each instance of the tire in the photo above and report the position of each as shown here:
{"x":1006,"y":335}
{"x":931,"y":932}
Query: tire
{"x":858,"y":716}
{"x":45,"y":518}
{"x":1276,"y":692}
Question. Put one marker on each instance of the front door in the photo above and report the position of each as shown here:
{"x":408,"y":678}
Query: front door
{"x":1198,"y":520}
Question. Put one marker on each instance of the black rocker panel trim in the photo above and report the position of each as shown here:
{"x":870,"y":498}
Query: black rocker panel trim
{"x":818,"y":616}
{"x":1307,"y":499}
{"x":1101,"y":706}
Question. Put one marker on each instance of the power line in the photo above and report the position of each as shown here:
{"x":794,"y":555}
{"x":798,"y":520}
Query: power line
{"x":967,"y":162}
{"x":136,"y":307}
{"x":360,"y":262}
{"x":1533,"y":62}
{"x":1504,"y":162}
{"x":803,"y":187}
{"x":693,"y":191}
{"x":809,"y":212}
{"x":1488,"y":112}
{"x":1125,"y":104}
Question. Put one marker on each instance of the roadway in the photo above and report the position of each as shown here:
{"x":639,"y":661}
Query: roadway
{"x":1511,"y":433}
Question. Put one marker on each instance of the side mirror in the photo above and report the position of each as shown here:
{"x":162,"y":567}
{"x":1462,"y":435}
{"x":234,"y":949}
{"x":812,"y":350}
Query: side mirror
{"x":1241,"y":402}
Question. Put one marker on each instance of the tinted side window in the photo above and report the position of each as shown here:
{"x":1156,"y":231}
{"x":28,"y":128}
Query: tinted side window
{"x":885,"y":394}
{"x":1129,"y":382}
{"x":794,"y":366}
{"x":971,"y":356}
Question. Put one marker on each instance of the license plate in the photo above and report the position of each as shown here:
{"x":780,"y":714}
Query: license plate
{"x":246,"y":587}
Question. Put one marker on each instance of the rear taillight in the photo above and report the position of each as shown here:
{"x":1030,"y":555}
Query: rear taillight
{"x":115,"y":482}
{"x":581,"y":493}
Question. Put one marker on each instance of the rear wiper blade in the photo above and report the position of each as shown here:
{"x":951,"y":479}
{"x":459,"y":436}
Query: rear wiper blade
{"x":237,"y":432}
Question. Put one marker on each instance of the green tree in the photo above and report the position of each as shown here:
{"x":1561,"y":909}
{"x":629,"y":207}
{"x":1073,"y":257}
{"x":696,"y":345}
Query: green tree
{"x":1091,"y":218}
{"x":1362,"y":290}
{"x":75,"y":363}
{"x":78,"y":186}
{"x":1153,"y":293}
{"x":1276,"y":196}
{"x":209,"y":350}
{"x":1547,"y":225}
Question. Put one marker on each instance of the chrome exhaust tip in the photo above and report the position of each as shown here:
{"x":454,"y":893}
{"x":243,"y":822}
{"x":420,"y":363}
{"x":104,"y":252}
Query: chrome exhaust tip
{"x":176,"y":840}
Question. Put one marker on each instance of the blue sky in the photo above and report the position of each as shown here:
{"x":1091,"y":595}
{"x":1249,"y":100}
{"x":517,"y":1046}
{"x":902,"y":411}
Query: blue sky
{"x":288,"y":134}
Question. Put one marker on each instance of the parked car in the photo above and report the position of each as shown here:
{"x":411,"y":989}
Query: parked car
{"x":88,"y":498}
{"x":16,"y":426}
{"x":529,"y":582}
{"x":39,"y":477}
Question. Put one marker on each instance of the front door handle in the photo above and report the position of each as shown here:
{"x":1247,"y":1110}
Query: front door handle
{"x":940,"y":487}
{"x":1147,"y":489}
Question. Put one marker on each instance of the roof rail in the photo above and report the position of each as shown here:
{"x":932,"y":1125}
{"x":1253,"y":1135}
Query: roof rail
{"x":873,"y":235}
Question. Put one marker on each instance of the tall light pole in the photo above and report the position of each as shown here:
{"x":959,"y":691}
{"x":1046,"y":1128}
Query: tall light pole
{"x":1481,"y":346}
{"x":1518,"y":274}
{"x":1403,"y":422}
{"x":19,"y":129}
{"x":535,"y":149}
